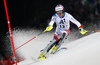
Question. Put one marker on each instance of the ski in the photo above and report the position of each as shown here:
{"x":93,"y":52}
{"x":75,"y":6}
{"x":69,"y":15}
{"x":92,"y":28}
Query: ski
{"x":60,"y":49}
{"x":37,"y":60}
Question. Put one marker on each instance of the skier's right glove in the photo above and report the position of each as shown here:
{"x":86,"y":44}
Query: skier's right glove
{"x":82,"y":31}
{"x":49,"y":28}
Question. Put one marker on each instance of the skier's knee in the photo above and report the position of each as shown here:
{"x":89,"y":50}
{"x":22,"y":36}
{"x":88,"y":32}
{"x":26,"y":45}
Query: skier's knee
{"x":64,"y":34}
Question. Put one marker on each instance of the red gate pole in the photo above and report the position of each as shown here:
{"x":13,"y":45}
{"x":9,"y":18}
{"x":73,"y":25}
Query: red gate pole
{"x":10,"y":31}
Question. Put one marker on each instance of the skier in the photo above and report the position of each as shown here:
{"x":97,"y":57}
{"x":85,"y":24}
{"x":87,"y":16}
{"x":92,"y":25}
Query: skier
{"x":62,"y":20}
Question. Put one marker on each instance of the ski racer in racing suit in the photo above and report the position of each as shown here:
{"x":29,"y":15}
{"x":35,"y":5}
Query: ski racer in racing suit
{"x":62,"y":20}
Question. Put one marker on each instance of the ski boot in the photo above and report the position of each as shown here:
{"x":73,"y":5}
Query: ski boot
{"x":54,"y":49}
{"x":42,"y":56}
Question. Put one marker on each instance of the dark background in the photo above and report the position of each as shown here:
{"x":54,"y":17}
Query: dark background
{"x":36,"y":13}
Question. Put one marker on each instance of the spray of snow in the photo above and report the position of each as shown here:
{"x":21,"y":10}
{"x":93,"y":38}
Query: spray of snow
{"x":32,"y":48}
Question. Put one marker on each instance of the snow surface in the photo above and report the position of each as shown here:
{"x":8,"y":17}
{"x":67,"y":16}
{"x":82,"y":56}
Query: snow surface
{"x":83,"y":51}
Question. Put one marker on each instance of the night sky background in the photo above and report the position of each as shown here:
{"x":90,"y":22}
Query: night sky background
{"x":36,"y":13}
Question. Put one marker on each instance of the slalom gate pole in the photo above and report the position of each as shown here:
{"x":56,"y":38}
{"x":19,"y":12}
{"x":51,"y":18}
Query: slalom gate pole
{"x":29,"y":40}
{"x":10,"y":31}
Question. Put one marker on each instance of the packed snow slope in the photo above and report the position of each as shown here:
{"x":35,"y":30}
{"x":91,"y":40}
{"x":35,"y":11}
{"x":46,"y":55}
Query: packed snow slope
{"x":83,"y":51}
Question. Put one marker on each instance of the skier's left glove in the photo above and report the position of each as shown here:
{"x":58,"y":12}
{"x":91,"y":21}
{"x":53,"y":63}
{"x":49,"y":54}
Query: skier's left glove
{"x":49,"y":28}
{"x":82,"y":31}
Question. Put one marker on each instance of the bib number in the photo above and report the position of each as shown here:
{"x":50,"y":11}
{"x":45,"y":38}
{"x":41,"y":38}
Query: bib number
{"x":62,"y":26}
{"x":61,"y":23}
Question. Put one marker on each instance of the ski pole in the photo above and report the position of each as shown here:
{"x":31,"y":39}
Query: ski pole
{"x":95,"y":31}
{"x":30,"y":40}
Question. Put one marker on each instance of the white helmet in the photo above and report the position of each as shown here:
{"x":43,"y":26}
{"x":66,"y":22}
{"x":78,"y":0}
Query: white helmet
{"x":59,"y":7}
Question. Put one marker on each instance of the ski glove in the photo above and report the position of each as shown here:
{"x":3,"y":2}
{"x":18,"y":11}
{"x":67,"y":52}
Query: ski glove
{"x":82,"y":31}
{"x":49,"y":28}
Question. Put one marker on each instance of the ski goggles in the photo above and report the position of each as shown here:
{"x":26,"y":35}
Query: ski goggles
{"x":59,"y":12}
